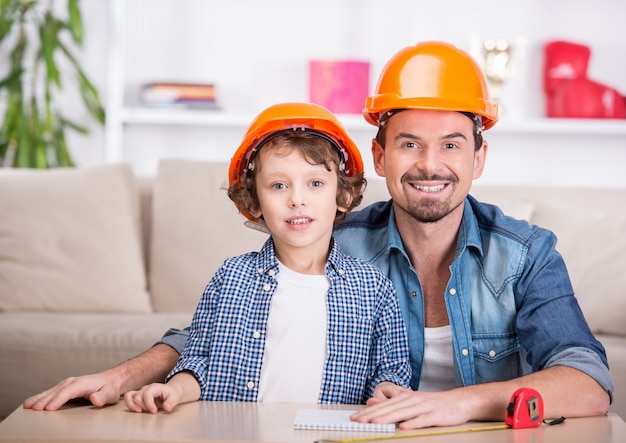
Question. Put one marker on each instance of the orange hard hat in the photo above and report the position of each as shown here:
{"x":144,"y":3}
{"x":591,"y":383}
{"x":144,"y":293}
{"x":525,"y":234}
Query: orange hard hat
{"x":432,"y":75}
{"x":284,"y":117}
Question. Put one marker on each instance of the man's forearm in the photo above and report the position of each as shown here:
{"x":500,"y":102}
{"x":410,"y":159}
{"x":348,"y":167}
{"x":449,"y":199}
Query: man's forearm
{"x":565,"y":391}
{"x":150,"y":366}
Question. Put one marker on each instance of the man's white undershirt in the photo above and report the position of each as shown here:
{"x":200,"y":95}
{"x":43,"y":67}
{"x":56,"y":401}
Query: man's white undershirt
{"x":438,"y":367}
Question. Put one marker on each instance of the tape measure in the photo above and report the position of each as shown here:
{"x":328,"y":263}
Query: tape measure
{"x":525,"y":410}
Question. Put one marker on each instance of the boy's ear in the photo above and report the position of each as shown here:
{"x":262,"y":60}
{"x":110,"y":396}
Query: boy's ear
{"x":347,"y":200}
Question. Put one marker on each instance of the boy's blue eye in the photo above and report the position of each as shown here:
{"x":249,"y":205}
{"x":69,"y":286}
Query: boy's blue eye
{"x":316,"y":183}
{"x":278,"y":186}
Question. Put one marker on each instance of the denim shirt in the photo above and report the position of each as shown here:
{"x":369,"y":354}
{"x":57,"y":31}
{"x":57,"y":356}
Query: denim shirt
{"x":510,"y":301}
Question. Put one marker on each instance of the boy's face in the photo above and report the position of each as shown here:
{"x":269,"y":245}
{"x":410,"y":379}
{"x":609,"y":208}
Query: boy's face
{"x":298,"y":201}
{"x":429,"y":162}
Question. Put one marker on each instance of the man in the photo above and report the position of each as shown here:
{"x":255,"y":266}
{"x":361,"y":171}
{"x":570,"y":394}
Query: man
{"x":486,"y":299}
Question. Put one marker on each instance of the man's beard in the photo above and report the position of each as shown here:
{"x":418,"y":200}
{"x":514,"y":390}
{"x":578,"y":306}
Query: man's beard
{"x":429,"y":212}
{"x":426,"y":210}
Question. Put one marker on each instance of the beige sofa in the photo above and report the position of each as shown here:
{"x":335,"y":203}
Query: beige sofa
{"x":96,"y":264}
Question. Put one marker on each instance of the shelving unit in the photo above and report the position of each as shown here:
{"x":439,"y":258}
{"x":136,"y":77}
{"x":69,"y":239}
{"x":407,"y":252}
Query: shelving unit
{"x":531,"y":149}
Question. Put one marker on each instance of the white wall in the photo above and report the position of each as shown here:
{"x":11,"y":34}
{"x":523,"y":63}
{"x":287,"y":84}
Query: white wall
{"x":256,"y":52}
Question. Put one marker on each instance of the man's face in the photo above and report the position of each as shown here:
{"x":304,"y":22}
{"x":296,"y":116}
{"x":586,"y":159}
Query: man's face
{"x":429,"y":162}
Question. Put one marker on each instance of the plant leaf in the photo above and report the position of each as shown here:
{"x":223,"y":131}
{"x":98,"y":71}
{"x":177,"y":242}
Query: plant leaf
{"x":75,"y":23}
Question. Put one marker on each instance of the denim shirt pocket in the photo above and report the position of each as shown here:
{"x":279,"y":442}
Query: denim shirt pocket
{"x":497,"y":357}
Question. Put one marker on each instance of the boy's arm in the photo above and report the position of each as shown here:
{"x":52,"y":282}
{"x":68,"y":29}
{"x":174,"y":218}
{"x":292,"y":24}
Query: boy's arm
{"x":387,"y":389}
{"x":107,"y":386}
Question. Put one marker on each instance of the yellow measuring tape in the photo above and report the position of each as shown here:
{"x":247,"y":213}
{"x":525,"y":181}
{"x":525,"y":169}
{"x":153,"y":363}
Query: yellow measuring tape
{"x":417,"y":434}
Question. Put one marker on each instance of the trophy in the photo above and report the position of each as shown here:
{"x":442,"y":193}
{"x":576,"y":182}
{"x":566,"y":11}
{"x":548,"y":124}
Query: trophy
{"x":497,"y":64}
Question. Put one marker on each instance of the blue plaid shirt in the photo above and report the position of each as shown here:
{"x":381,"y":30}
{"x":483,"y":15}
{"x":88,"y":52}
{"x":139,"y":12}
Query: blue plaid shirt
{"x":366,"y":339}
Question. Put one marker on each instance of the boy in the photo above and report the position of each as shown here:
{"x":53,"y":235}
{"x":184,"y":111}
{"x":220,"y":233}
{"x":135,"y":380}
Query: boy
{"x":298,"y":321}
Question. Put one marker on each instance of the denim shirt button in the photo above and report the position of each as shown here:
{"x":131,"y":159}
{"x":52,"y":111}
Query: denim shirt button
{"x":413,"y":293}
{"x":492,"y":353}
{"x":465,"y":352}
{"x":452,"y":291}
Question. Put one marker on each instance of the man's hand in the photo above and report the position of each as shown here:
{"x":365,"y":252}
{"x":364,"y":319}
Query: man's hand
{"x":416,"y":409}
{"x":488,"y":401}
{"x":100,"y":389}
{"x":106,"y":387}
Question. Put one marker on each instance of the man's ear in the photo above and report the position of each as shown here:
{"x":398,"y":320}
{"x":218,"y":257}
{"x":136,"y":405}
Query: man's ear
{"x":480,"y":157}
{"x":378,"y":155}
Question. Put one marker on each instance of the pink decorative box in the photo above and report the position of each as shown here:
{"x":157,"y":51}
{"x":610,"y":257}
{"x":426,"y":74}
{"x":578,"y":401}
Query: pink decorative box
{"x":341,"y":86}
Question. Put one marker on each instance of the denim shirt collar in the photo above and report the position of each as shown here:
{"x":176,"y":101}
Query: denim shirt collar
{"x":469,"y":233}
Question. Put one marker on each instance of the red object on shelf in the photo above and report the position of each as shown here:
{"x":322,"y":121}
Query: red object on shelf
{"x":564,"y":61}
{"x":584,"y":98}
{"x":569,"y":91}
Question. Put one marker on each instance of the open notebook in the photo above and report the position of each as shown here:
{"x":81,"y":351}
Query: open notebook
{"x":335,"y":420}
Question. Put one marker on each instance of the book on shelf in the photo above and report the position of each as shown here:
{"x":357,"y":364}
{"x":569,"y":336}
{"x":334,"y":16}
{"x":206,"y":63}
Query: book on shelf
{"x":185,"y":95}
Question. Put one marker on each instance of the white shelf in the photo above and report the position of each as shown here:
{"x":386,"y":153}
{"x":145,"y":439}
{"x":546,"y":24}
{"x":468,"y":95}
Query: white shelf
{"x":173,"y":116}
{"x":210,"y":118}
{"x":219,"y":118}
{"x":562,"y":126}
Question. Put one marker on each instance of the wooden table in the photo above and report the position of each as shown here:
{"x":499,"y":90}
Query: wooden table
{"x":261,"y":422}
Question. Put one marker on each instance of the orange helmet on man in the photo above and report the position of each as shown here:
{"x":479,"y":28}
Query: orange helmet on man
{"x":432,"y":75}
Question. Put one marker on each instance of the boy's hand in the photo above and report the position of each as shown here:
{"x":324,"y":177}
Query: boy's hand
{"x":152,"y":397}
{"x":385,"y":390}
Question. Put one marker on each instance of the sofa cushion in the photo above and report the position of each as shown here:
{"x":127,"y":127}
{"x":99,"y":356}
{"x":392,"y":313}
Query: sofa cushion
{"x":195,"y":227}
{"x":69,"y":241}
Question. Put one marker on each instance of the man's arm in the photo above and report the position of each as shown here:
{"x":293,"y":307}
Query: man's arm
{"x":565,"y":391}
{"x":107,"y":386}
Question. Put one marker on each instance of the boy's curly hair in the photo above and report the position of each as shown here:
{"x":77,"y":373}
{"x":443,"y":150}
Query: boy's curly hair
{"x":317,"y":151}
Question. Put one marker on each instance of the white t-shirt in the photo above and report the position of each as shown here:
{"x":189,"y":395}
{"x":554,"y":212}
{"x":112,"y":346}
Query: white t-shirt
{"x":438,"y":366}
{"x":295,"y":346}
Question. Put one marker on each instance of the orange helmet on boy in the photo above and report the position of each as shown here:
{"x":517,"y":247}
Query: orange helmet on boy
{"x":432,"y":75}
{"x":295,"y":116}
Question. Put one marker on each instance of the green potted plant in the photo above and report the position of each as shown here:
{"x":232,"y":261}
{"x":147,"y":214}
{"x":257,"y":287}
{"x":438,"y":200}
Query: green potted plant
{"x":37,"y":48}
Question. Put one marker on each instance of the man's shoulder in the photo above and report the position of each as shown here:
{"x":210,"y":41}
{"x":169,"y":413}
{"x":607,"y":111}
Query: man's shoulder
{"x":363,"y":233}
{"x":374,"y":216}
{"x":492,"y":220}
